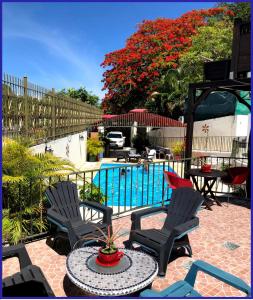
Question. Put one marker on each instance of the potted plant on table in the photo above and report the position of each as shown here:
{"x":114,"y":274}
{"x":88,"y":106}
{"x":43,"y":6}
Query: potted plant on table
{"x":94,"y":148}
{"x":109,"y":254}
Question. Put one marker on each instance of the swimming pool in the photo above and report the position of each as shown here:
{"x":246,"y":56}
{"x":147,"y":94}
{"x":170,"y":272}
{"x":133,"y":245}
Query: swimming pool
{"x":136,"y":187}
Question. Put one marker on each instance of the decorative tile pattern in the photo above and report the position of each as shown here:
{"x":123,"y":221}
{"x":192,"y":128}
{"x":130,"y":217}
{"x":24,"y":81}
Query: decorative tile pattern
{"x":139,"y":270}
{"x":225,"y":223}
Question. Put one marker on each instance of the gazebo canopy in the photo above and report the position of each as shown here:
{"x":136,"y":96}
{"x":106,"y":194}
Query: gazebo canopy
{"x":220,"y":104}
{"x":139,"y":118}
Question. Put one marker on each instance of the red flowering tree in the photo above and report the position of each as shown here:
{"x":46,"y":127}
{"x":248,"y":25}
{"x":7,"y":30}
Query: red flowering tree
{"x":132,"y":72}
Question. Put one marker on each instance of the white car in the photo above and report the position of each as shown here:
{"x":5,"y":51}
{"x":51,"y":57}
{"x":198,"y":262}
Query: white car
{"x":116,"y":139}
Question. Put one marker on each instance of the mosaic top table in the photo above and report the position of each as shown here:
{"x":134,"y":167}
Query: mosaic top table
{"x":135,"y":271}
{"x":209,"y":180}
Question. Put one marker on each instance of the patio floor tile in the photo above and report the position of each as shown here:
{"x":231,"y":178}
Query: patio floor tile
{"x":217,"y":227}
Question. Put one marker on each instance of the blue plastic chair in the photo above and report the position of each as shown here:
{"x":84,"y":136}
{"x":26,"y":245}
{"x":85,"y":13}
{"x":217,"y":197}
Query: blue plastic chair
{"x":185,"y":288}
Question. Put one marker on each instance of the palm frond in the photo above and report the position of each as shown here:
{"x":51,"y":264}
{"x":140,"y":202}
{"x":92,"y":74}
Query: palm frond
{"x":12,"y":179}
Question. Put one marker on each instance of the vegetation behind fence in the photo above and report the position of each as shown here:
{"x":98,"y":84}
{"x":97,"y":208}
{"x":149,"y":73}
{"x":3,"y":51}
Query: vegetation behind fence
{"x":33,"y":111}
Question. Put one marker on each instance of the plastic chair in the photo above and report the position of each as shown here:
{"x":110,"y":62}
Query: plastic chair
{"x":236,"y":177}
{"x":180,"y":220}
{"x":185,"y":288}
{"x":30,"y":281}
{"x":64,"y":214}
{"x":150,"y":154}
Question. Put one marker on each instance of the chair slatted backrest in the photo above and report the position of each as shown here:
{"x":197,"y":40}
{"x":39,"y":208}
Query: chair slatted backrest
{"x":64,"y":200}
{"x":183,"y":206}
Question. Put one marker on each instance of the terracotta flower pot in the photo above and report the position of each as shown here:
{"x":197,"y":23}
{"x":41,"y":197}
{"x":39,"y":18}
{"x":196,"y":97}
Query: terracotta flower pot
{"x":110,"y":259}
{"x":177,"y":156}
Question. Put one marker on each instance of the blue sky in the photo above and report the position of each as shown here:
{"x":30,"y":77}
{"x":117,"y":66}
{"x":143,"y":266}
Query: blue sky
{"x":62,"y":45}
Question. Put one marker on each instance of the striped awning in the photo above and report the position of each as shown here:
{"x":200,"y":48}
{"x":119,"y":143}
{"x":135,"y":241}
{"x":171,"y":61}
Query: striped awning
{"x":139,"y":118}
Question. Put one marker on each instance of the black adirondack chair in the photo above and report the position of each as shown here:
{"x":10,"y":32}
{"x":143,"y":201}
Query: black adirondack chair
{"x":181,"y":219}
{"x":29,"y":282}
{"x":64,"y":214}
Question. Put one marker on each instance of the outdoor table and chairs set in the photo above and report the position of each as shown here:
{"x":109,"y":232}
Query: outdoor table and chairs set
{"x":146,"y":254}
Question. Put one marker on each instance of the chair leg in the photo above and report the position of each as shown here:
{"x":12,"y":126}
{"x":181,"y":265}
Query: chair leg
{"x":164,"y":256}
{"x":189,"y":249}
{"x":228,"y":198}
{"x":245,"y":188}
{"x":187,"y":245}
{"x":163,"y":262}
{"x":128,"y":244}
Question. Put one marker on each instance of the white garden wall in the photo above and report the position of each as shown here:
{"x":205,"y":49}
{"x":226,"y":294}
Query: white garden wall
{"x":73,"y":147}
{"x":226,"y":126}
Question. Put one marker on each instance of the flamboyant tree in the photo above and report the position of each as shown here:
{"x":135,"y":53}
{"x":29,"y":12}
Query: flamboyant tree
{"x":132,"y":72}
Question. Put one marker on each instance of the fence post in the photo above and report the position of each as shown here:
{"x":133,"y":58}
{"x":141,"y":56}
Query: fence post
{"x":53,"y":113}
{"x":26,"y":119}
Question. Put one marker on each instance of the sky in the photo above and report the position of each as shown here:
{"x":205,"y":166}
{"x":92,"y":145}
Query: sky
{"x":61,"y":45}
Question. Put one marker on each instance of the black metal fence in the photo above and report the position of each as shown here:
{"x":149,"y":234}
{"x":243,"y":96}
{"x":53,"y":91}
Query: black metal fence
{"x":124,"y":187}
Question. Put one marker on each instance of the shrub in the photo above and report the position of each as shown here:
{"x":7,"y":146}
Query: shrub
{"x":25,"y":177}
{"x":91,"y":192}
{"x":178,"y":148}
{"x":94,"y":146}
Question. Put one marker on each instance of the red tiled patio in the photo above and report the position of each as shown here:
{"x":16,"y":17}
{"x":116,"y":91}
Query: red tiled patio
{"x":222,"y":239}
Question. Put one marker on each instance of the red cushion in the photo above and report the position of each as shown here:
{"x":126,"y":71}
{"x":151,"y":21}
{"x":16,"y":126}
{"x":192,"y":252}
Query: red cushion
{"x":176,"y":182}
{"x":238,"y":174}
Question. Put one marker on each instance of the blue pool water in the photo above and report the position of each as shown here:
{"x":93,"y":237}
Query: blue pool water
{"x":136,"y":188}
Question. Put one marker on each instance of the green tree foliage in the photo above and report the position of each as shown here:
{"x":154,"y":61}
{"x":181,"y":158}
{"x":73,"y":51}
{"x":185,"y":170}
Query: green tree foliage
{"x":212,"y":43}
{"x":81,"y":94}
{"x":24,"y":180}
{"x":241,"y":10}
{"x":169,"y":97}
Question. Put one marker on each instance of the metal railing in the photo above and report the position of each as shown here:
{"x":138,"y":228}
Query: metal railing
{"x":220,"y":163}
{"x":235,"y":145}
{"x":125,"y":187}
{"x":41,"y":114}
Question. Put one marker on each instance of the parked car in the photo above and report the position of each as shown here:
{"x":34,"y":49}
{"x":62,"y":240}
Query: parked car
{"x":116,"y":139}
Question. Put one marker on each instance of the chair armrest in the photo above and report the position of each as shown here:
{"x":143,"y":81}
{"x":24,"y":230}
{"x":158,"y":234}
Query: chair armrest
{"x":107,"y":211}
{"x":136,"y":216}
{"x":57,"y":218}
{"x":54,"y":216}
{"x":17,"y":251}
{"x":228,"y":278}
{"x":148,"y":293}
{"x":186,"y":227}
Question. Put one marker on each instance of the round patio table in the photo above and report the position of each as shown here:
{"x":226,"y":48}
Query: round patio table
{"x":135,"y":271}
{"x":209,"y":180}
